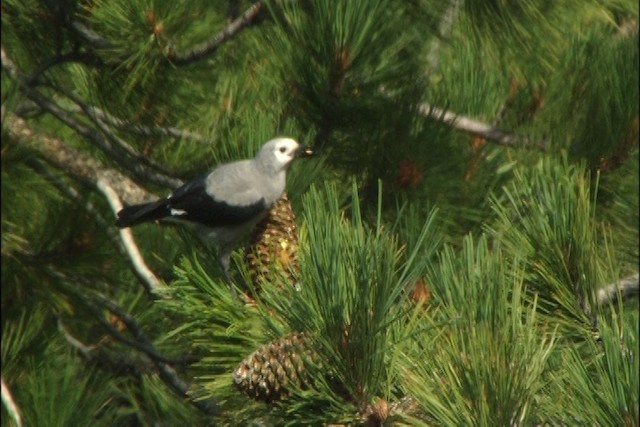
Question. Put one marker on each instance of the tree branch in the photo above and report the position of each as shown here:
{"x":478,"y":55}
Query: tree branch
{"x":96,"y":301}
{"x":139,"y":170}
{"x":62,"y":58}
{"x":182,"y":58}
{"x":624,"y":289}
{"x":115,"y":363}
{"x":75,"y":343}
{"x":166,"y":372}
{"x":476,"y":127}
{"x":94,"y":39}
{"x":124,"y":242}
{"x":75,"y":163}
{"x":137,"y":344}
{"x":10,"y":405}
{"x":228,"y":32}
{"x":153,"y":284}
{"x":119,"y":142}
{"x":107,"y":181}
{"x":171,"y":132}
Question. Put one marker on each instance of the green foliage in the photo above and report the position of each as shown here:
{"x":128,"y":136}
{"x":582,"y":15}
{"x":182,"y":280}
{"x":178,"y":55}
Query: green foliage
{"x":350,"y":73}
{"x":619,"y":210}
{"x":597,"y":383}
{"x":482,"y":351}
{"x":19,"y":339}
{"x":219,"y":330}
{"x":508,"y":331}
{"x":36,"y":21}
{"x":354,"y":282}
{"x":145,"y":401}
{"x":546,"y":216}
{"x":211,"y":312}
{"x":54,"y":392}
{"x":600,"y":124}
{"x":350,"y":305}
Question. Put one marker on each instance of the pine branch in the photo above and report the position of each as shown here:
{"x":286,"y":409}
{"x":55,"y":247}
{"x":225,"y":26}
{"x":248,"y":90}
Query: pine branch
{"x":140,"y":344}
{"x":228,"y":32}
{"x":111,"y":136}
{"x":182,"y":58}
{"x":91,"y":37}
{"x":75,"y":343}
{"x":116,"y":364}
{"x":10,"y":405}
{"x":139,"y":170}
{"x":124,"y":243}
{"x":137,"y":129}
{"x":166,"y":372}
{"x":233,"y":9}
{"x":153,"y":285}
{"x":84,"y":58}
{"x":624,"y":289}
{"x":73,"y":194}
{"x":476,"y":127}
{"x":88,"y":171}
{"x":75,"y":163}
{"x":27,"y":109}
{"x":97,"y":302}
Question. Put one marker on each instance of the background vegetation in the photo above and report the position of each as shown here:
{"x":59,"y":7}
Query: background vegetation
{"x":467,"y":234}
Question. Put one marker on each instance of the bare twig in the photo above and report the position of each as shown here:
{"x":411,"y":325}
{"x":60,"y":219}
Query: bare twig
{"x":118,"y":362}
{"x":73,"y":194}
{"x":148,"y":350}
{"x":182,"y":58}
{"x":97,"y":301}
{"x":476,"y":127}
{"x":625,"y":288}
{"x":152,"y":283}
{"x":233,"y":9}
{"x":75,"y":343}
{"x":27,"y":109}
{"x":166,"y":372}
{"x":91,"y":37}
{"x":10,"y":405}
{"x":228,"y":32}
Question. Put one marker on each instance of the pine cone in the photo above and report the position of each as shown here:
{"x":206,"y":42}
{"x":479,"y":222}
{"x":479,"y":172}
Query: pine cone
{"x":265,"y":374}
{"x":273,"y":246}
{"x":376,"y":414}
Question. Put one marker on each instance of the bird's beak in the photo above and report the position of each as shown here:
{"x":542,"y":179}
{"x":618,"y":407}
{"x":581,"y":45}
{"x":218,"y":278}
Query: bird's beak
{"x":304,"y":151}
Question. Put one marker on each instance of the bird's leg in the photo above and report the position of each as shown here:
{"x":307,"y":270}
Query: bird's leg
{"x":224,"y":258}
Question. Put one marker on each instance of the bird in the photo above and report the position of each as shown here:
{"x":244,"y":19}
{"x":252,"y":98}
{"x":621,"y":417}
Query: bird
{"x":225,"y":204}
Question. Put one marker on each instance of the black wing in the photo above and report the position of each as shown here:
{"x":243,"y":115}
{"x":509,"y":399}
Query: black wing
{"x":200,"y":207}
{"x":191,"y":202}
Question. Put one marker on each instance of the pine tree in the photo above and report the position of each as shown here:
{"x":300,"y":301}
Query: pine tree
{"x":462,"y":250}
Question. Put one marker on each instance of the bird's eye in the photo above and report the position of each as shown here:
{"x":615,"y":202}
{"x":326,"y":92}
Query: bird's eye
{"x":283,"y":149}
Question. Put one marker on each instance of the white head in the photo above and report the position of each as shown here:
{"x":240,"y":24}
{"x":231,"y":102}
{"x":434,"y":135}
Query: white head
{"x":277,"y":154}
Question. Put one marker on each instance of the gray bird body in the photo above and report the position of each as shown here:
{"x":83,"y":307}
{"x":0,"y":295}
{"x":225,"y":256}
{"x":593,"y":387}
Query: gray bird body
{"x":224,"y":205}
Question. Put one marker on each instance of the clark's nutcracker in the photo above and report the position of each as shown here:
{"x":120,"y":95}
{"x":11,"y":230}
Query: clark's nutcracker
{"x":224,"y":205}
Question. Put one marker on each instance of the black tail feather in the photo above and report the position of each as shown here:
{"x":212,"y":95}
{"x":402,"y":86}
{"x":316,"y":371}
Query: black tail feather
{"x":145,"y":212}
